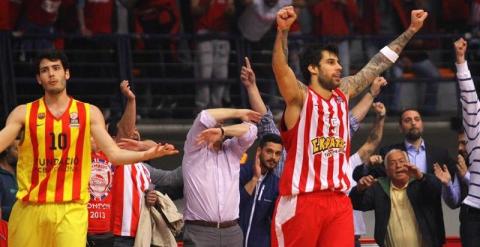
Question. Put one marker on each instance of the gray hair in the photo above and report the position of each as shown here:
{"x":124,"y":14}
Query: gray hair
{"x":393,"y":151}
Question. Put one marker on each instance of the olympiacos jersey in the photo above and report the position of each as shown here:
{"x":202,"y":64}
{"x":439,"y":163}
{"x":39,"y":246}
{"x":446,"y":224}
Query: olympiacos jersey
{"x":318,"y":147}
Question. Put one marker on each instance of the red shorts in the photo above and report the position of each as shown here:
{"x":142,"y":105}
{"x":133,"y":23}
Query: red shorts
{"x":313,"y":219}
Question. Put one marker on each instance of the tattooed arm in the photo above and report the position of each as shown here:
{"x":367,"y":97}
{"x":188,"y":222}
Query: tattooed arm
{"x":292,"y":91}
{"x":375,"y":136}
{"x":355,"y":84}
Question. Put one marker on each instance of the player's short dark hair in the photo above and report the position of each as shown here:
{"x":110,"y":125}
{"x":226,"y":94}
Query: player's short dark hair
{"x":312,"y":56}
{"x":270,"y":138}
{"x":52,"y":55}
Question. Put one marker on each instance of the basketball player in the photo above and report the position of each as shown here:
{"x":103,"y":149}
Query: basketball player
{"x":54,"y":160}
{"x":313,"y":209}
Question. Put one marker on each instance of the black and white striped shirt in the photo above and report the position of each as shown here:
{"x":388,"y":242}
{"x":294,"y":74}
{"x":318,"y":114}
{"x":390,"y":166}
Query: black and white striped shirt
{"x":471,"y":122}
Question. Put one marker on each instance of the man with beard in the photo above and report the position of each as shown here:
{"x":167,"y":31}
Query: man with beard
{"x":403,"y":202}
{"x":423,"y":155}
{"x":316,"y":137}
{"x":259,"y":191}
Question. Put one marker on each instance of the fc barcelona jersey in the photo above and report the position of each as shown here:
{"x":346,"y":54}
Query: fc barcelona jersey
{"x":55,"y":157}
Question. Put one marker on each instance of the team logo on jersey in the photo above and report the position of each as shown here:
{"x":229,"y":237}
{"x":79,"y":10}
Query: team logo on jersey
{"x":339,"y":99}
{"x":41,"y":115}
{"x":74,"y":120}
{"x":101,"y":178}
{"x":328,"y":145}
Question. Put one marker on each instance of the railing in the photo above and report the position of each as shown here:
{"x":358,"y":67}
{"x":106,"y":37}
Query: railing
{"x":164,"y":80}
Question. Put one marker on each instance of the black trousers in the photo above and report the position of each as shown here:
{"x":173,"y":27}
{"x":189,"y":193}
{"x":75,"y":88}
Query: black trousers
{"x":469,"y":226}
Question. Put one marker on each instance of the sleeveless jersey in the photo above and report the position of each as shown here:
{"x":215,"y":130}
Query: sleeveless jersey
{"x":318,"y":147}
{"x":129,"y":185}
{"x":100,"y":186}
{"x":54,"y":157}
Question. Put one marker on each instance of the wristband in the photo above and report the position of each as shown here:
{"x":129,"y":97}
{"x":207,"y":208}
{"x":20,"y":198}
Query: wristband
{"x":389,"y":53}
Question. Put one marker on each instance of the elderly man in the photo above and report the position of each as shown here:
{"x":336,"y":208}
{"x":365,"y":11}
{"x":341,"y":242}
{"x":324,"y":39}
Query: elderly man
{"x":403,"y":203}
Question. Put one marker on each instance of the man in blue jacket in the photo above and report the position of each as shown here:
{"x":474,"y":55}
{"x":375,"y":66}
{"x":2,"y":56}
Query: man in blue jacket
{"x":259,"y":190}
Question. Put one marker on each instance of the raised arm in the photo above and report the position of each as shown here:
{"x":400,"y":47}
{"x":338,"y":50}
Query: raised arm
{"x":126,"y":125}
{"x":222,"y":114}
{"x":383,"y":59}
{"x":247,"y":76}
{"x":292,"y":91}
{"x":376,"y":134}
{"x":360,"y":110}
{"x":13,"y":126}
{"x":120,"y":156}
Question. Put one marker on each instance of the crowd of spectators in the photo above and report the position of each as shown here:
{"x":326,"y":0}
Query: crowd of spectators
{"x":215,"y":25}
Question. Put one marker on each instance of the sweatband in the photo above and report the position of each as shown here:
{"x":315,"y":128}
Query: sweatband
{"x":391,"y":55}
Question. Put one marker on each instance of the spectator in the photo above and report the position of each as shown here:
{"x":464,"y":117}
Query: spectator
{"x":95,"y":19}
{"x":259,"y":191}
{"x":8,"y":181}
{"x":403,"y":202}
{"x":332,"y":18}
{"x":211,"y":173}
{"x":423,"y":155}
{"x":416,"y":58}
{"x":38,"y":18}
{"x":212,"y":19}
{"x":470,"y":208}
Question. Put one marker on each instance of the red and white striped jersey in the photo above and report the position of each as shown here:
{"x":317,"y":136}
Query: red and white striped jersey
{"x":318,"y":147}
{"x":129,"y":185}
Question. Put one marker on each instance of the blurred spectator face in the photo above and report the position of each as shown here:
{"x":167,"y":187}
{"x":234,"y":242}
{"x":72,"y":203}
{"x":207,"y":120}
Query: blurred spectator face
{"x":329,"y":71}
{"x":270,"y":155}
{"x":411,"y":125}
{"x":270,"y":3}
{"x":52,"y":76}
{"x":395,"y":166}
{"x":462,"y":143}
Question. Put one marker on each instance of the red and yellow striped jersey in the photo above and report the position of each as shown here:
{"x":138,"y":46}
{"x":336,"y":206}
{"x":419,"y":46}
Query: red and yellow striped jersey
{"x":54,"y":157}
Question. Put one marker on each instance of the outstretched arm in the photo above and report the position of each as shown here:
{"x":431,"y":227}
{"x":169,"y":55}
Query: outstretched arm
{"x":360,"y":110}
{"x":376,"y":134}
{"x":222,"y":114}
{"x":384,"y":59}
{"x":120,"y":156}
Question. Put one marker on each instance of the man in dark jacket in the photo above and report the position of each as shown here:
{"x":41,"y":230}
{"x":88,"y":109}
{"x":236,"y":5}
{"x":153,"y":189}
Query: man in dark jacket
{"x":259,"y":190}
{"x":404,"y":203}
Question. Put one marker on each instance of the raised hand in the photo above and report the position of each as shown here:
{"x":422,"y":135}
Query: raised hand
{"x":366,"y":182}
{"x":418,"y":17}
{"x":460,"y":49}
{"x":442,"y":173}
{"x":461,"y":166}
{"x":257,"y":169}
{"x":247,"y":76}
{"x":286,"y":16}
{"x":375,"y":160}
{"x":209,"y":136}
{"x":377,"y":84}
{"x":247,"y":115}
{"x":125,"y":89}
{"x":413,"y":171}
{"x":160,"y":150}
{"x":379,"y":109}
